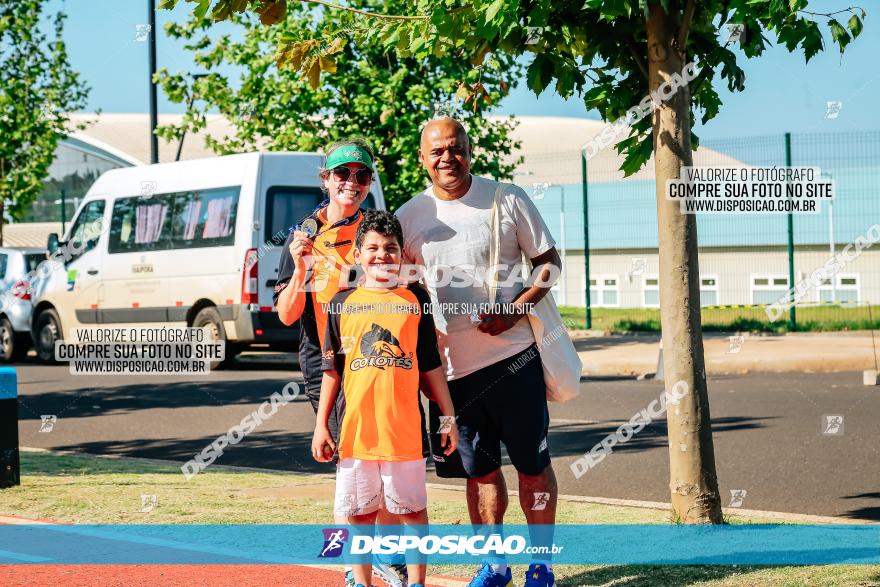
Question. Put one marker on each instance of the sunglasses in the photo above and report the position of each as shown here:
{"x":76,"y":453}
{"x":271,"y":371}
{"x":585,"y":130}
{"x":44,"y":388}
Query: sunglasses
{"x":363,"y":176}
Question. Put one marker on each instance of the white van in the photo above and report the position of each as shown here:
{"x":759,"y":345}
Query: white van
{"x":193,"y":243}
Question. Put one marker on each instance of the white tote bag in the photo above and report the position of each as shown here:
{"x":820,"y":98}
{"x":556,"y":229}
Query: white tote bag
{"x":562,"y":365}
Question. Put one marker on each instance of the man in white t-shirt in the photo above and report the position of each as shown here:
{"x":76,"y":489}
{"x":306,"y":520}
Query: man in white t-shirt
{"x":494,"y":370}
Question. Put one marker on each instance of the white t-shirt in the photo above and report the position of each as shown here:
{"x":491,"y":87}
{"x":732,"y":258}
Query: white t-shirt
{"x":453,"y":238}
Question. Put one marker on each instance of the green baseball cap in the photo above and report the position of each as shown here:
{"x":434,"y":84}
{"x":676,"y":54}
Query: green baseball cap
{"x":349,"y":154}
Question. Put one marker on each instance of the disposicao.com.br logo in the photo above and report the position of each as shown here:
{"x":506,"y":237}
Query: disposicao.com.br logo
{"x":447,"y":544}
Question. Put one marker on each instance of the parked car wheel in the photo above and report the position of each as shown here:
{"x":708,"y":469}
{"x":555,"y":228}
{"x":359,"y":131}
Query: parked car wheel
{"x":10,"y":343}
{"x":46,"y":332}
{"x":210,"y":317}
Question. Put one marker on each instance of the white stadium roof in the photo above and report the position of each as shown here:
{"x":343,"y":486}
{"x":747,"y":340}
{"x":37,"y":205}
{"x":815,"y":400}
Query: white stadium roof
{"x":550,"y":145}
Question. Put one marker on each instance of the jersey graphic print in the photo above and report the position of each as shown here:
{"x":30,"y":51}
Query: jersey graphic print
{"x":380,"y":349}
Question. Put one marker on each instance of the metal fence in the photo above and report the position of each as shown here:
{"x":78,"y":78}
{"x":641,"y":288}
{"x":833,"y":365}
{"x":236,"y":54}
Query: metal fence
{"x":746,"y":261}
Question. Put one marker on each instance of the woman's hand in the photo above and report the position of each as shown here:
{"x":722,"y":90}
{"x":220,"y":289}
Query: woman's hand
{"x":301,"y":250}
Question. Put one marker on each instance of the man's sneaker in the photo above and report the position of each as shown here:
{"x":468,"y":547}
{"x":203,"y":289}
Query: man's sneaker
{"x":485,"y":577}
{"x":349,"y":579}
{"x":539,"y":576}
{"x":393,"y":575}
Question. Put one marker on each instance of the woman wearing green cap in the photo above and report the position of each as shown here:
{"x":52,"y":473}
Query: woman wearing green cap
{"x":319,"y":249}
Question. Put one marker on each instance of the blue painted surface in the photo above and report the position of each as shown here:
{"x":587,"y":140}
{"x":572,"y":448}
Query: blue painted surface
{"x":8,"y":383}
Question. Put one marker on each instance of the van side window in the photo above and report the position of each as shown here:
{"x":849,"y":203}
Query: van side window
{"x":286,"y":206}
{"x":203,"y":218}
{"x":87,"y":228}
{"x":140,"y":224}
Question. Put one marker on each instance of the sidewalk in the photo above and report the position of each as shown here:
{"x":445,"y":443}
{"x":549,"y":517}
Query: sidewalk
{"x":800,"y":352}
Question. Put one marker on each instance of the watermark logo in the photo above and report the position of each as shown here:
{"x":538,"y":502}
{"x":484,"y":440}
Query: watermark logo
{"x":237,"y":433}
{"x":737,"y":497}
{"x":533,"y":34}
{"x":664,"y":92}
{"x":832,"y":425}
{"x":334,"y":542}
{"x":639,"y":265}
{"x":148,"y":188}
{"x":148,"y":502}
{"x":828,"y":270}
{"x":832,"y":109}
{"x":347,"y":343}
{"x":736,"y":343}
{"x":541,"y":501}
{"x":626,"y":431}
{"x":736,"y":32}
{"x":47,"y":422}
{"x":142,"y":32}
{"x":539,"y":190}
{"x":446,"y":423}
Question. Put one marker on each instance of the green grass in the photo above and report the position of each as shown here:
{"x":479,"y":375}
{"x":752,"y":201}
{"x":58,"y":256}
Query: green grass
{"x":810,"y":318}
{"x":85,"y":489}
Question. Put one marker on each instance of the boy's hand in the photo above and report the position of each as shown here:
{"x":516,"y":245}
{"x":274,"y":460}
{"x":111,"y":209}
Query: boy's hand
{"x":448,"y":434}
{"x":323,"y":446}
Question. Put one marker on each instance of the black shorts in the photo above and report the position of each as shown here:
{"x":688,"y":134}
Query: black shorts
{"x":504,"y":402}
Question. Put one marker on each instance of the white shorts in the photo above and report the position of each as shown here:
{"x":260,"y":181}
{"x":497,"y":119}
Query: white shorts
{"x":361,"y":485}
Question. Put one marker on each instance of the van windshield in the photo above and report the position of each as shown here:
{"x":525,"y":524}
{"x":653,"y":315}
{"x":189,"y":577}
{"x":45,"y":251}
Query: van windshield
{"x":287,"y":206}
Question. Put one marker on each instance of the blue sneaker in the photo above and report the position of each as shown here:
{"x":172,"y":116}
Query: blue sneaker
{"x":349,"y":579}
{"x":539,"y":576}
{"x":485,"y":577}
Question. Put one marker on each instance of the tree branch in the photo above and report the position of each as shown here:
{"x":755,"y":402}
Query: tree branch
{"x":637,"y":57}
{"x":363,"y":12}
{"x":686,"y":24}
{"x":830,"y":14}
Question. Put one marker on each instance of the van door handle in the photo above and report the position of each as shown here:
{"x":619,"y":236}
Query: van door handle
{"x":92,"y":271}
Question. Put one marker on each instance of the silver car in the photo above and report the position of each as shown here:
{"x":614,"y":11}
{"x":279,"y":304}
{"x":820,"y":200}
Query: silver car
{"x":16,"y":307}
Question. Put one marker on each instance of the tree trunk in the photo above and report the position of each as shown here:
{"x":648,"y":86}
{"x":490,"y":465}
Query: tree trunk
{"x":693,"y":482}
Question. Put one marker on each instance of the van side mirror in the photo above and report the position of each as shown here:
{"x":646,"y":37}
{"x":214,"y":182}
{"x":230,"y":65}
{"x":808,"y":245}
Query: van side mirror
{"x":52,"y":243}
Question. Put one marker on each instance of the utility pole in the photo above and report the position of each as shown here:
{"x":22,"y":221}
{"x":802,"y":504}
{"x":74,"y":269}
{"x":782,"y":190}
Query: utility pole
{"x":154,"y":117}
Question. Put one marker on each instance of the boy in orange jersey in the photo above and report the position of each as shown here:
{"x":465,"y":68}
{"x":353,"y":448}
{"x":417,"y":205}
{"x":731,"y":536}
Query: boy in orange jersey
{"x":380,"y":341}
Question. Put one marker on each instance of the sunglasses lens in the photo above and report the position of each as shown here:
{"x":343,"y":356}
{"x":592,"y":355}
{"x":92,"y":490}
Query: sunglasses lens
{"x":341,"y":173}
{"x":362,"y":176}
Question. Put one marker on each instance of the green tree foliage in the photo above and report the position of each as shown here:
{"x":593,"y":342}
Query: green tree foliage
{"x":37,"y":89}
{"x":594,"y":49}
{"x":314,"y":90}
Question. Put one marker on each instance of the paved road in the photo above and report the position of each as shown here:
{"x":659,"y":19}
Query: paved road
{"x":767,"y":430}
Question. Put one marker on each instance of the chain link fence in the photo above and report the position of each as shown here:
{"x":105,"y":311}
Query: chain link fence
{"x":745,"y":260}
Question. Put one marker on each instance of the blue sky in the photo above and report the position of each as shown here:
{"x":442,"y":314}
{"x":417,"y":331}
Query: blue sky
{"x":782,"y":93}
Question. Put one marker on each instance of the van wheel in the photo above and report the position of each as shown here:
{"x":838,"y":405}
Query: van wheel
{"x":11,"y":346}
{"x":210,"y":317}
{"x":46,"y":332}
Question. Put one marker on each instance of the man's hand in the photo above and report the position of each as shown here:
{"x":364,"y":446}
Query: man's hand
{"x":323,"y":446}
{"x":301,"y":250}
{"x":494,"y":323}
{"x":448,"y":434}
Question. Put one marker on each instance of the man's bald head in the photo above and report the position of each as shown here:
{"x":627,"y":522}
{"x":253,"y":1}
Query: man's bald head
{"x":445,"y":152}
{"x":444,"y":126}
